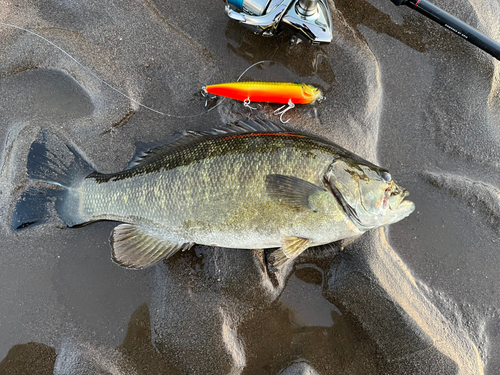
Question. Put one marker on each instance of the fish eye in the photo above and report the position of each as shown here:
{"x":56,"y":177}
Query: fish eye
{"x":386,"y":176}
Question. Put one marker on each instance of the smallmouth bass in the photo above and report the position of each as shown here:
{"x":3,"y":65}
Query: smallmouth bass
{"x":250,"y":185}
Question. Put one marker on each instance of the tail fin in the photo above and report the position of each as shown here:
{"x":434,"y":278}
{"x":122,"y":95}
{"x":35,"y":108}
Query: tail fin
{"x":34,"y":207}
{"x":59,"y":165}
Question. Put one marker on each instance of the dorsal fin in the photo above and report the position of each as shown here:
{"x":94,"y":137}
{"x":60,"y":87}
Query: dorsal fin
{"x":243,"y":126}
{"x":147,"y":156}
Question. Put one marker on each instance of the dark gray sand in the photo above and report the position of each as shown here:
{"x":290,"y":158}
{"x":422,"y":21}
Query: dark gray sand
{"x":419,"y":297}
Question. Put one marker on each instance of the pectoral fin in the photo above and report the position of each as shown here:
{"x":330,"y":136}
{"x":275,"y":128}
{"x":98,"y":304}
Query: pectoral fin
{"x":136,"y":247}
{"x":291,"y":249}
{"x":290,"y":190}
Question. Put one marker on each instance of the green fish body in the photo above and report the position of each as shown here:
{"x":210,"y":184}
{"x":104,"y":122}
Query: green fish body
{"x":246,"y":187}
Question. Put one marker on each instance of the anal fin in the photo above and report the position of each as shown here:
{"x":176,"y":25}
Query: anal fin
{"x":136,"y":247}
{"x":291,"y":249}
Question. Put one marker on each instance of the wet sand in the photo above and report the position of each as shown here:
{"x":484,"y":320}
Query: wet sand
{"x":419,"y":297}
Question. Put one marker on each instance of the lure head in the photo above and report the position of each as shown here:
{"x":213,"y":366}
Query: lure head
{"x":312,"y":93}
{"x":368,"y":194}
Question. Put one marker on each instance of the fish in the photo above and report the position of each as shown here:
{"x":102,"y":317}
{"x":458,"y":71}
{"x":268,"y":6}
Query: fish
{"x":248,"y":185}
{"x":270,"y":92}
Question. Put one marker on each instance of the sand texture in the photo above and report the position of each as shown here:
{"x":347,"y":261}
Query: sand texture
{"x":419,"y":297}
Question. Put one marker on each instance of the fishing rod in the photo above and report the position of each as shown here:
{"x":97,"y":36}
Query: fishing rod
{"x":453,"y":24}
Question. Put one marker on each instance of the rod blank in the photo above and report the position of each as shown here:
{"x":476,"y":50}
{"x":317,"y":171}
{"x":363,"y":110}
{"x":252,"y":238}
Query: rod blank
{"x":453,"y":24}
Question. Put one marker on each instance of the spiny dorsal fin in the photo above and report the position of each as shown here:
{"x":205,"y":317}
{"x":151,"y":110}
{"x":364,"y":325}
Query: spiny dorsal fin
{"x":291,"y":249}
{"x":147,"y":156}
{"x":291,"y":190}
{"x":243,"y":126}
{"x":135,"y":247}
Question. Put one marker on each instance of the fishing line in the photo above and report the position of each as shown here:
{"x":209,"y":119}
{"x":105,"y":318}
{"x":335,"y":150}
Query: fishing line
{"x":84,"y":67}
{"x":117,"y":90}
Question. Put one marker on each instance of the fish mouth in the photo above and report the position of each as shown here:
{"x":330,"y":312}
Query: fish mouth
{"x":403,"y":209}
{"x":399,"y":208}
{"x":396,"y":197}
{"x":404,"y":206}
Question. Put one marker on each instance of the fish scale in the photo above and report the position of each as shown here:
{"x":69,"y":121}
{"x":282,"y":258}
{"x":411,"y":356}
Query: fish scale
{"x":231,"y":170}
{"x":254,"y":185}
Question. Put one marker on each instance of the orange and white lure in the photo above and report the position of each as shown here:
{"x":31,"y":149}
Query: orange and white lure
{"x":270,"y":92}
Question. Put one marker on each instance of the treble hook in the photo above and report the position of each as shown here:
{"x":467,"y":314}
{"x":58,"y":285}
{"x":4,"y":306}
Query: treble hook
{"x":280,"y":112}
{"x":247,"y":102}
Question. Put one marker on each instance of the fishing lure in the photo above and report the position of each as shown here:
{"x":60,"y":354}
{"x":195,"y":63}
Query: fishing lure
{"x":270,"y":92}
